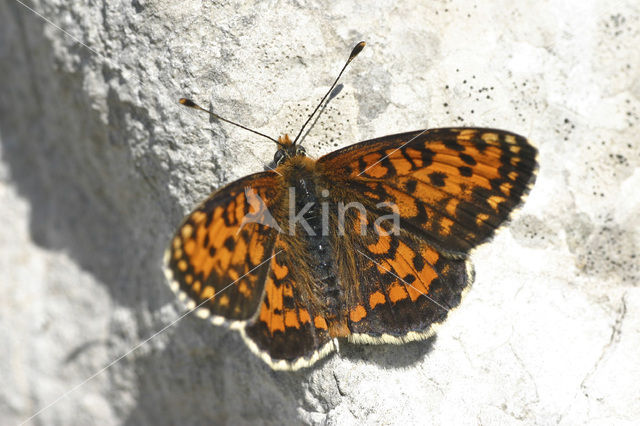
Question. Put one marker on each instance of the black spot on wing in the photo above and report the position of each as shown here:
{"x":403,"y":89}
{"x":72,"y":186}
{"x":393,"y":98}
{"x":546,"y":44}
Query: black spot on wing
{"x":230,"y":243}
{"x":465,"y":171}
{"x":437,"y":178}
{"x":468,"y":159}
{"x":410,"y":185}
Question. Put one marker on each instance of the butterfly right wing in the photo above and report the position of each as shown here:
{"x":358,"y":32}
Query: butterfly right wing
{"x":397,"y":287}
{"x":450,"y":189}
{"x":454,"y":186}
{"x":219,"y":258}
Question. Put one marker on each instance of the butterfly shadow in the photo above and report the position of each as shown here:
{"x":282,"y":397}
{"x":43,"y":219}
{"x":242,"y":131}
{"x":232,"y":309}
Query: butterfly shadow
{"x":388,"y":355}
{"x":218,"y":380}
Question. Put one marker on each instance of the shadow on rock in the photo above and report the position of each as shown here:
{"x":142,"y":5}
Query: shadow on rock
{"x":389,"y":355}
{"x":86,"y":164}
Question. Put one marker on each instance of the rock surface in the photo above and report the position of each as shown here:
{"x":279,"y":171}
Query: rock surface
{"x":98,"y":164}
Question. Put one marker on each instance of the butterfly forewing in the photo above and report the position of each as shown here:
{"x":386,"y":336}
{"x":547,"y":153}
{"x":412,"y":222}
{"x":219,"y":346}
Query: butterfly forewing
{"x":218,"y":259}
{"x":453,"y":186}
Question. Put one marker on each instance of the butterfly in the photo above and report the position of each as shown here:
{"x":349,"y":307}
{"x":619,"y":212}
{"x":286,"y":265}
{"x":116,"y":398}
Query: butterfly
{"x":369,"y":243}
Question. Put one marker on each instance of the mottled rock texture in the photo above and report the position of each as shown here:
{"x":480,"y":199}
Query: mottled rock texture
{"x":98,"y":164}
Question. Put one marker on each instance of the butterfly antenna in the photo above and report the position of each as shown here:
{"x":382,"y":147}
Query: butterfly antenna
{"x":189,"y":103}
{"x":353,"y":54}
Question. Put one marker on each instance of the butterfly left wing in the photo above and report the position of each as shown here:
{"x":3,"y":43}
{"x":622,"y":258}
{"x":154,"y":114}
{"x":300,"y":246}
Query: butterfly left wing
{"x":244,"y":274}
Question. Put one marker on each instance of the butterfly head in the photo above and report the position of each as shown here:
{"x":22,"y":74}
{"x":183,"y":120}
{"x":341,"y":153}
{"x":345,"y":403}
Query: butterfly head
{"x":287,"y":149}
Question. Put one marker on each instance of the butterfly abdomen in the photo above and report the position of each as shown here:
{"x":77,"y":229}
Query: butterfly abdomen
{"x":311,"y":226}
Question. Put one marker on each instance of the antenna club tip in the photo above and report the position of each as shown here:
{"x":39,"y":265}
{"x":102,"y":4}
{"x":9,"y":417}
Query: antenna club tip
{"x":357,"y":49}
{"x":187,"y":102}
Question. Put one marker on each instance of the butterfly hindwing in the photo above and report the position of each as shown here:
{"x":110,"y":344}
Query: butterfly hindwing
{"x":453,"y":186}
{"x":218,"y":259}
{"x":288,"y":333}
{"x":396,"y":285}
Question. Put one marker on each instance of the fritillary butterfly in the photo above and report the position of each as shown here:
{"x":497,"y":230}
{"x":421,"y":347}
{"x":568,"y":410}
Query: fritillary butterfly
{"x":372,"y":246}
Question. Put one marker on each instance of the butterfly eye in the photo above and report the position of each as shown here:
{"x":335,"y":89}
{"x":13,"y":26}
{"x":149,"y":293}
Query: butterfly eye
{"x":301,"y":151}
{"x":279,"y":156}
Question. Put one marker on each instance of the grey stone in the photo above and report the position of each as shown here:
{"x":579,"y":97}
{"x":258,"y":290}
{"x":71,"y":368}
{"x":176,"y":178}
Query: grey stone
{"x":98,"y":164}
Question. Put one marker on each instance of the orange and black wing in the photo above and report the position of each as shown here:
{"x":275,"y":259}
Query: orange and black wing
{"x":450,"y":189}
{"x":288,"y":333}
{"x":219,"y":258}
{"x":230,"y":259}
{"x":453,"y":186}
{"x":397,"y":286}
